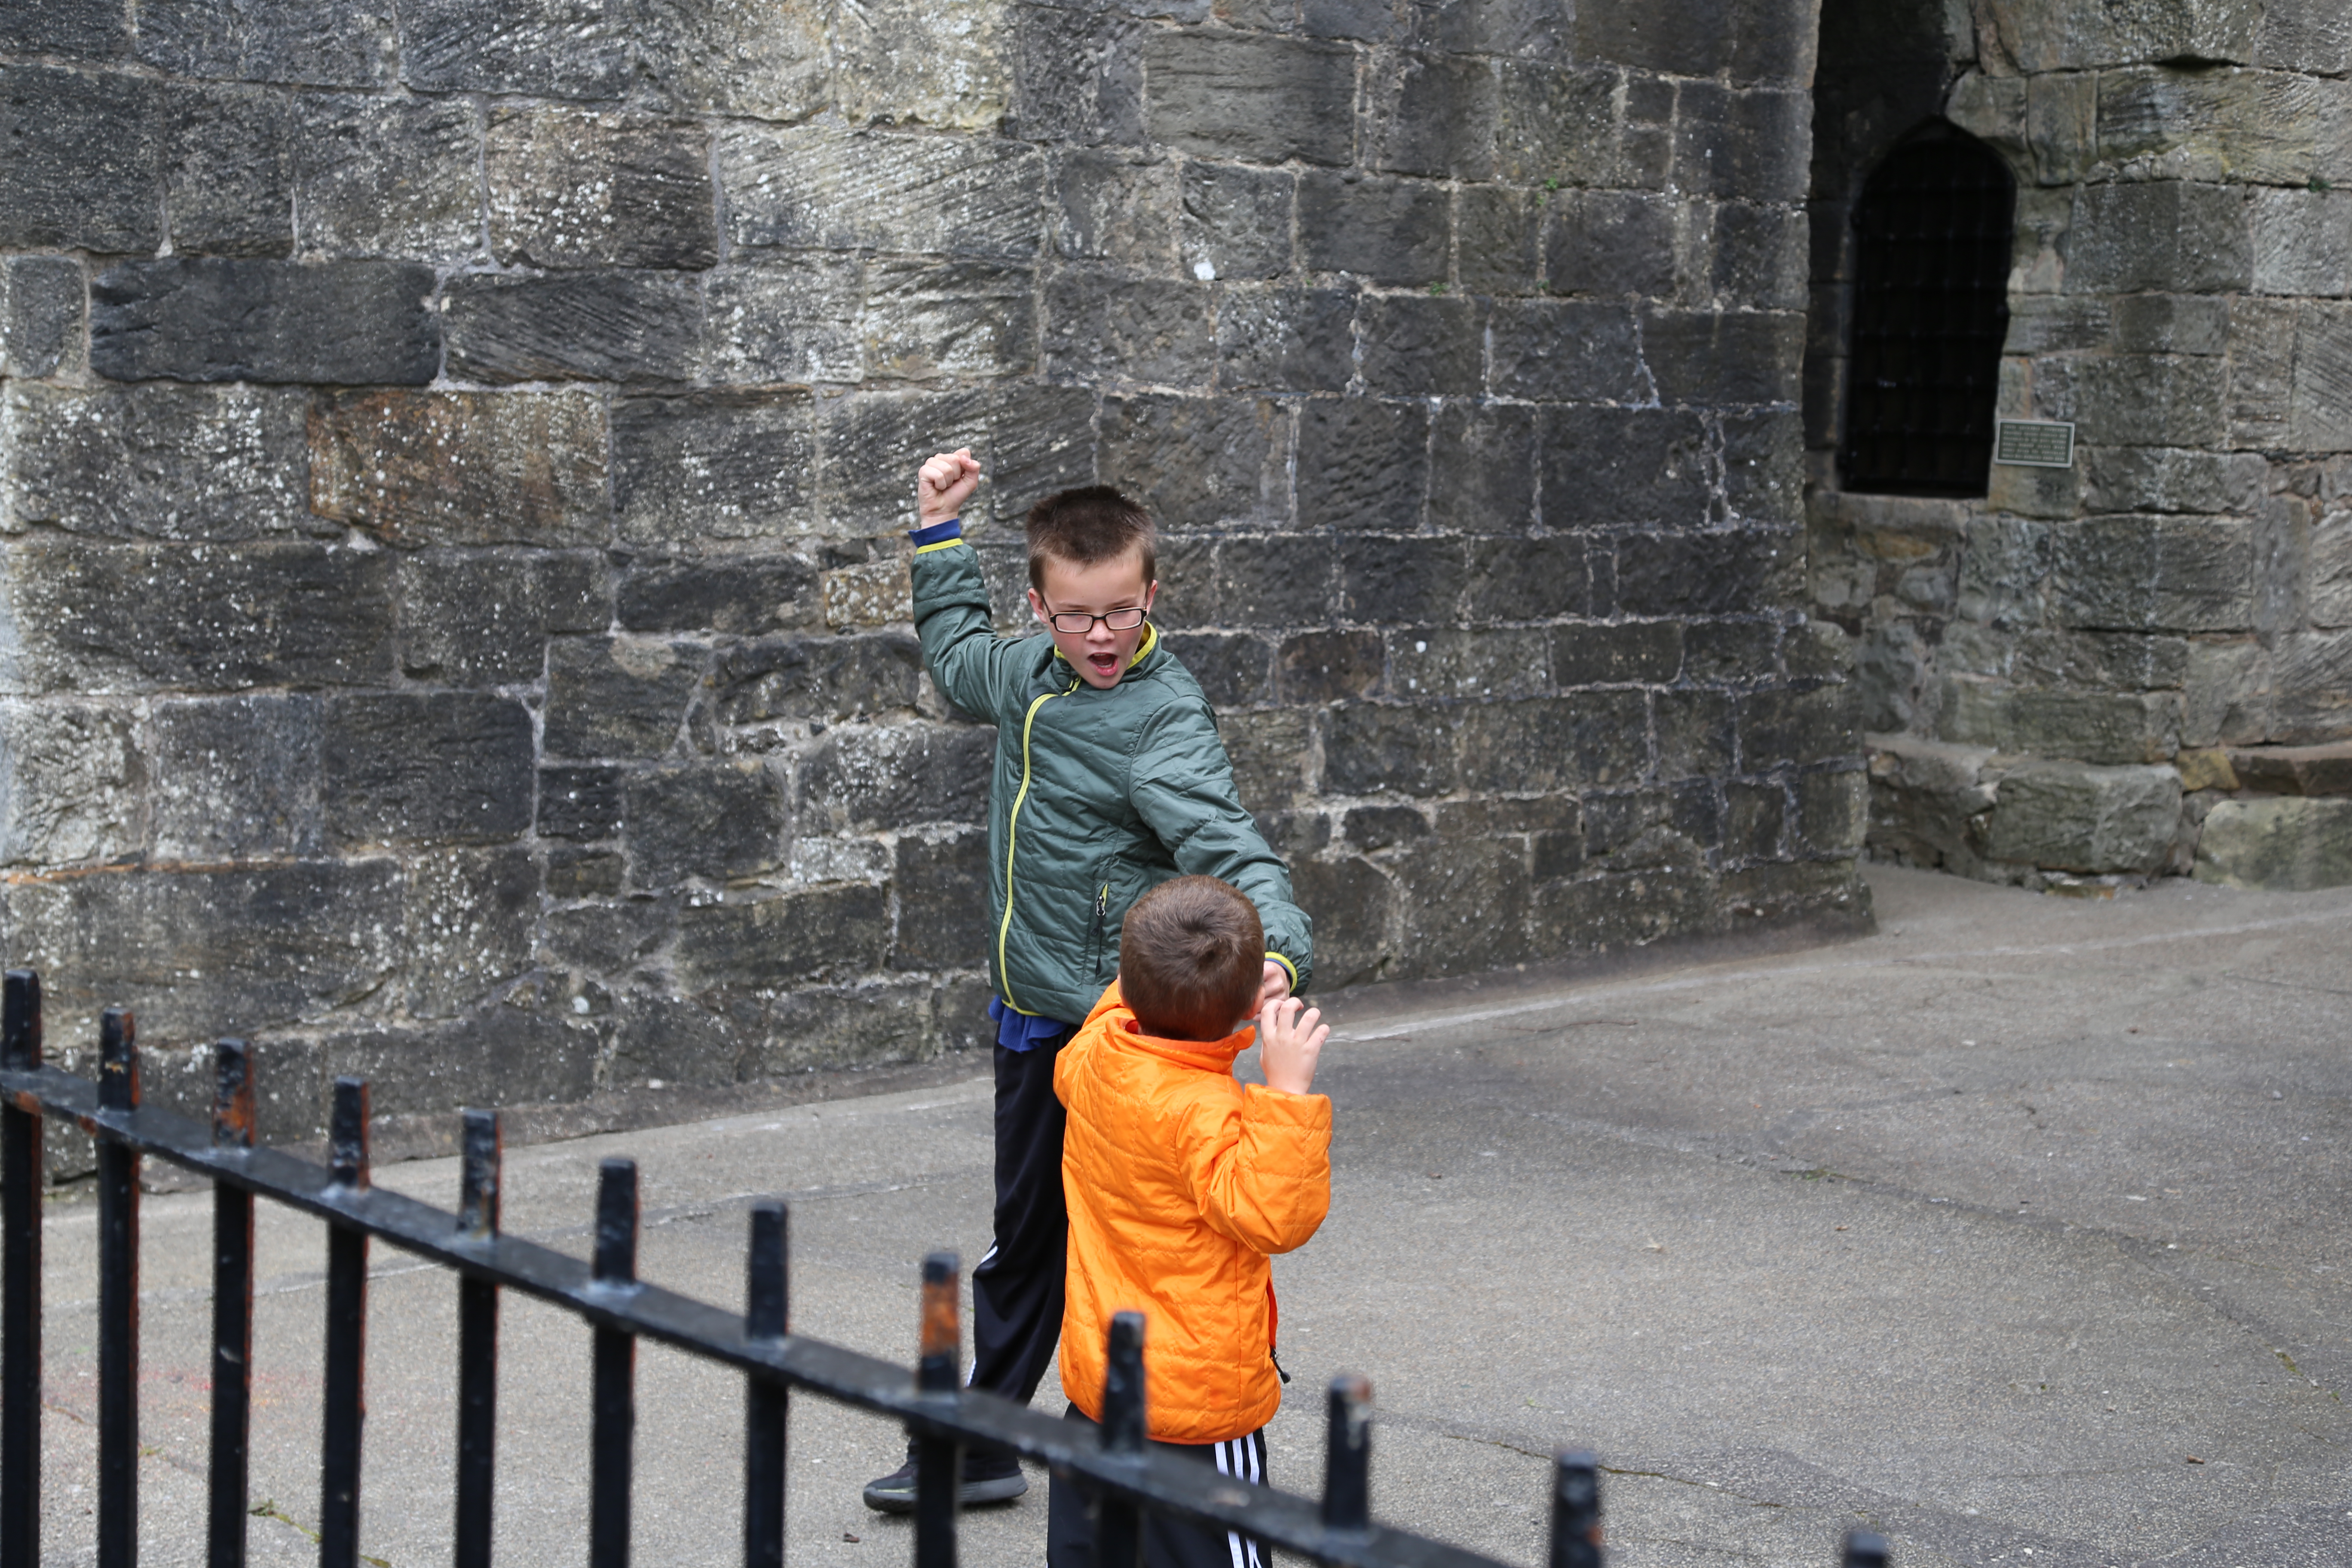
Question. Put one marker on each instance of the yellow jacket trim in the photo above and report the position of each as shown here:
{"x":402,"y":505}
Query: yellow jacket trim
{"x":942,"y":544}
{"x":1288,"y":968}
{"x":1013,"y":840}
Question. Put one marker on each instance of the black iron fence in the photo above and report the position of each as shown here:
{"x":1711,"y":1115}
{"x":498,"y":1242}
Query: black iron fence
{"x":1128,"y":1478}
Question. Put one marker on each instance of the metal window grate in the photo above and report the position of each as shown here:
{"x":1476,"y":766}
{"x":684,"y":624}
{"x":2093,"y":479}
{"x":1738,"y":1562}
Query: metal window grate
{"x":1930,"y":310}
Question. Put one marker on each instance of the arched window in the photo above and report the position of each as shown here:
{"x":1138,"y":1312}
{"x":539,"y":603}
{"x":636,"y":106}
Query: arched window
{"x":1930,"y":309}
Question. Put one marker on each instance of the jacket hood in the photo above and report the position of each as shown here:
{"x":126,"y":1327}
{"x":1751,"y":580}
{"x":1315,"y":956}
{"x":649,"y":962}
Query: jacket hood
{"x":1119,"y":1022}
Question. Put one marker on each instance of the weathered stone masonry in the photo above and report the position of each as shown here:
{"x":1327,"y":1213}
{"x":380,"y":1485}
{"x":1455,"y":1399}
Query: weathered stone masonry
{"x":452,"y":460}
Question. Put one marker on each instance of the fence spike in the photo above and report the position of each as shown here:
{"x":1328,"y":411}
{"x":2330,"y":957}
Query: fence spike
{"x":1575,"y":1509}
{"x":939,"y":1456}
{"x":615,"y":1372}
{"x":1118,"y":1523}
{"x":21,"y":1178}
{"x":1863,"y":1549}
{"x":346,"y":1337}
{"x":232,"y":1423}
{"x":1347,"y":1455}
{"x":478,"y":1341}
{"x":766,"y":1402}
{"x":118,"y":1299}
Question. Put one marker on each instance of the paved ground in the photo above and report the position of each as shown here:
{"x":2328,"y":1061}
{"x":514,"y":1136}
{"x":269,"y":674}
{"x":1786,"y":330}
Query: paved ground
{"x":2019,"y":1229}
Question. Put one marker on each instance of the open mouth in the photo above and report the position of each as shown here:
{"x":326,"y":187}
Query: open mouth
{"x":1104,"y":663}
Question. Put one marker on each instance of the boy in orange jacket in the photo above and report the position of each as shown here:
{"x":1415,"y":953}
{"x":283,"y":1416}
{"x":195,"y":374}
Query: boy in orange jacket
{"x":1181,"y":1183}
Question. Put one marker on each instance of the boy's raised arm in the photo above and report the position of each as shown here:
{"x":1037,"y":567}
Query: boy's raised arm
{"x":951,"y":610}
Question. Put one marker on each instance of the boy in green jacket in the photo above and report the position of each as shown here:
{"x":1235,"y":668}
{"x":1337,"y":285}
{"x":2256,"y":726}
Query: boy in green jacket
{"x":1109,"y":779}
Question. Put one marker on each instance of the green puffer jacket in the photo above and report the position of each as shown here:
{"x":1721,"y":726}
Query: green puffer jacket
{"x":1098,"y":796}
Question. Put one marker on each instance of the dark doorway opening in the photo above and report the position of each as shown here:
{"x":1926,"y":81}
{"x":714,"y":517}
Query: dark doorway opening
{"x":1932,"y":236}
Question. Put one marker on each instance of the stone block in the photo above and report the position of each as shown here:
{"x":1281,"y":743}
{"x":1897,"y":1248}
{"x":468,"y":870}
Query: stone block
{"x":1790,"y":726}
{"x":71,"y":792}
{"x":462,"y":467}
{"x":575,"y":872}
{"x":1363,"y":463}
{"x":2137,"y":400}
{"x":1752,"y":144}
{"x":1528,"y":579}
{"x":83,"y":29}
{"x":1235,"y":222}
{"x":2171,"y":478}
{"x":2319,"y":416}
{"x":1329,"y":667}
{"x":1565,"y":351}
{"x":721,"y":820}
{"x":1079,"y":75}
{"x":868,"y":483}
{"x":2305,"y":36}
{"x":473,"y":617}
{"x":2251,"y":126}
{"x":1608,"y":244}
{"x":1198,"y":462}
{"x":792,"y":320}
{"x":736,"y":56}
{"x":553,"y":48}
{"x":611,"y":938}
{"x":1495,"y":229}
{"x":1518,"y":29}
{"x":2260,"y":399}
{"x":1482,"y":469}
{"x":1112,"y":208}
{"x":1364,"y":21}
{"x":1373,"y":749}
{"x":1353,"y":905}
{"x":2103,"y":660}
{"x":1385,"y":231}
{"x":923,"y":319}
{"x":819,"y":186}
{"x":1376,"y":827}
{"x":1697,"y":733}
{"x":731,"y":595}
{"x":1713,"y":573}
{"x":2226,"y":694}
{"x":2329,"y":587}
{"x":1923,"y":796}
{"x":505,"y":1056}
{"x":1384,"y":580}
{"x":1270,"y":752}
{"x":2087,"y":726}
{"x":1464,"y":903}
{"x":2159,"y":234}
{"x":471,"y":919}
{"x":42,"y":315}
{"x":582,"y":802}
{"x":2143,"y":574}
{"x":823,"y":677}
{"x":84,"y":168}
{"x":1256,"y":98}
{"x":865,"y":778}
{"x":1439,"y":661}
{"x":713,"y":466}
{"x":874,"y":594}
{"x":1278,"y":582}
{"x":2204,"y":768}
{"x":199,"y":954}
{"x":234,"y":778}
{"x":2027,"y":36}
{"x":229,"y":170}
{"x":580,"y":326}
{"x":1434,"y":114}
{"x":308,"y":43}
{"x":944,"y":892}
{"x":569,"y":188}
{"x":2071,"y":816}
{"x":2169,"y":323}
{"x":388,"y":177}
{"x":1748,"y":255}
{"x":2301,"y":241}
{"x":1234,"y":671}
{"x":1041,"y":440}
{"x":165,"y":462}
{"x":1287,"y":340}
{"x":1102,"y":327}
{"x":838,"y":930}
{"x":1618,"y":467}
{"x":1555,"y":126}
{"x":1642,"y":653}
{"x":618,"y":697}
{"x":1419,"y":346}
{"x":1549,"y":744}
{"x":947,"y":64}
{"x":1711,"y":358}
{"x":220,"y":318}
{"x":2292,"y":770}
{"x":263,"y":615}
{"x":449,"y":767}
{"x":1600,"y":914}
{"x":2283,"y":846}
{"x":2313,"y":700}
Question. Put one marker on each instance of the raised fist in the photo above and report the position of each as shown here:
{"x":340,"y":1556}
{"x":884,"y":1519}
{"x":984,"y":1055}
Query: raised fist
{"x":946,"y":483}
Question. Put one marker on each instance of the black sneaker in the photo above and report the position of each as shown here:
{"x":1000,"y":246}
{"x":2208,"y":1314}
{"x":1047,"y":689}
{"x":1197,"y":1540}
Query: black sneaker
{"x":987,"y":1478}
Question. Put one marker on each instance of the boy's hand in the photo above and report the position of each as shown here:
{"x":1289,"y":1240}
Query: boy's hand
{"x":1288,"y":1043}
{"x":946,"y":483}
{"x":1276,"y":986}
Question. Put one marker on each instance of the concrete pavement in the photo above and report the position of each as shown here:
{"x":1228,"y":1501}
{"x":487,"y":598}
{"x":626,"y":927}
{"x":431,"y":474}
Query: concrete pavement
{"x":2018,"y":1229}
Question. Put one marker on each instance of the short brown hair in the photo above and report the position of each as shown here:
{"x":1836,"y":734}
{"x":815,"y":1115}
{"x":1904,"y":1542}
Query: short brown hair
{"x":1083,"y":526}
{"x":1191,"y":959}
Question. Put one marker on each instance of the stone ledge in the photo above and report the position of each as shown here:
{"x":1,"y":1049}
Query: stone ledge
{"x":2324,"y":769}
{"x":2286,"y":844}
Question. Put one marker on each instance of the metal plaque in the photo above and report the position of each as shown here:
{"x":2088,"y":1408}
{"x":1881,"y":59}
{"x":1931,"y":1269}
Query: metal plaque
{"x":2035,"y":443}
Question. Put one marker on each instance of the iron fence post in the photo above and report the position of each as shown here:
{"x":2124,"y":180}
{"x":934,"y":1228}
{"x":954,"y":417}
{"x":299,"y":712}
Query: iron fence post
{"x":1126,"y":1426}
{"x":1575,"y":1510}
{"x":346,"y":1337}
{"x":766,"y":1401}
{"x":939,"y":1456}
{"x":1863,"y":1549}
{"x":20,"y":1289}
{"x":478,"y":1341}
{"x":118,"y":1299}
{"x":232,"y":1314}
{"x":615,"y":1355}
{"x":1348,"y":1457}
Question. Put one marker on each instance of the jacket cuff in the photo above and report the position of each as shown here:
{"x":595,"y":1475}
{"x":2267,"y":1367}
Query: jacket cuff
{"x":946,"y":532}
{"x":1288,"y":968}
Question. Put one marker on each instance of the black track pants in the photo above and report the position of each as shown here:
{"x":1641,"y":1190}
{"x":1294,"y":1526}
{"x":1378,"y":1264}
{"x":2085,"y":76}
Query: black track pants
{"x":1016,"y":1291}
{"x":1167,"y":1542}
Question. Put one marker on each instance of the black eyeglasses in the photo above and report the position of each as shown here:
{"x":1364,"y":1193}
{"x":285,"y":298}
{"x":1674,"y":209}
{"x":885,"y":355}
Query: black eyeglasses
{"x":1071,"y":623}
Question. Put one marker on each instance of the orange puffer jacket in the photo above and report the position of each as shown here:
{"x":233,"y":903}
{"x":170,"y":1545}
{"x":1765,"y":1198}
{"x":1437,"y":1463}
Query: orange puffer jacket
{"x":1181,"y":1181}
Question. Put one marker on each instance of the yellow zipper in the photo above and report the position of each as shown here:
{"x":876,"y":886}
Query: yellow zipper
{"x":1012,"y":838}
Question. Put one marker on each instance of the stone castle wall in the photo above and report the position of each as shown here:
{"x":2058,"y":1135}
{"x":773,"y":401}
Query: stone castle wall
{"x":453,"y":457}
{"x":2089,"y":676}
